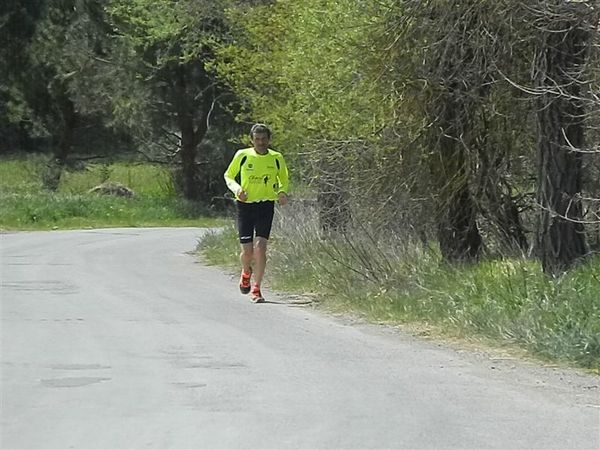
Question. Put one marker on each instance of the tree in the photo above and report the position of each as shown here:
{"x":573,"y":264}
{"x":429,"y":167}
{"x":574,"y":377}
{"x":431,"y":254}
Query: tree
{"x":160,"y":59}
{"x":437,"y":48}
{"x":17,"y":27}
{"x":49,"y":47}
{"x":453,"y":66}
{"x":565,"y":41}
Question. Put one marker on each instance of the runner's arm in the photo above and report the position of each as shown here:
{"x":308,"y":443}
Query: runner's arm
{"x":232,"y":172}
{"x":283,"y":177}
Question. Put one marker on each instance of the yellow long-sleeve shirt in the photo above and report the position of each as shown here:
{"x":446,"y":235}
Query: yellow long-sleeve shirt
{"x":262,"y":177}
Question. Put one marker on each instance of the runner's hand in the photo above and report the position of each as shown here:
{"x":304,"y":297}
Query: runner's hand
{"x":242,"y":196}
{"x":283,"y":198}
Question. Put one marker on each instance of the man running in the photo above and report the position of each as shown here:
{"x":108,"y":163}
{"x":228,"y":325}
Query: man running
{"x":258,"y":177}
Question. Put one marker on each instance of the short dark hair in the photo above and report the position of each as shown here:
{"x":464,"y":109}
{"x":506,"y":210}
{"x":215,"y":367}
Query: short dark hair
{"x":260,"y":128}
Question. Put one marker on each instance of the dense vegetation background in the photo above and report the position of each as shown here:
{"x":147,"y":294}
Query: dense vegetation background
{"x":463,"y":130}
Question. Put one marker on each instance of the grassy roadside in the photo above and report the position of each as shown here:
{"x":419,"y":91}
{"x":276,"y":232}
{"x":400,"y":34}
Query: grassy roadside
{"x":71,"y":211}
{"x":505,"y":303}
{"x":25,"y":205}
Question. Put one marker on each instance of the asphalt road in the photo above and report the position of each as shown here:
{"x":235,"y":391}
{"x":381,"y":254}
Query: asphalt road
{"x":122,"y":339}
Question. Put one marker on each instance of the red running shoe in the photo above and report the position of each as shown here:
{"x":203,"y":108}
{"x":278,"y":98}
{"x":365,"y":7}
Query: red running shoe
{"x":245,"y":282}
{"x":255,"y":295}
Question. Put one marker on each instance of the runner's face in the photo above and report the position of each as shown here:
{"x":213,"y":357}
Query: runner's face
{"x":261,"y":142}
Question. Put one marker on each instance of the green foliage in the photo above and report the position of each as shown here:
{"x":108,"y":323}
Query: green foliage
{"x":153,"y":42}
{"x":302,"y":68}
{"x":54,"y":54}
{"x":190,"y":27}
{"x":17,"y":25}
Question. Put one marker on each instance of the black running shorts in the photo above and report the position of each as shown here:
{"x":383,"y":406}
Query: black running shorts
{"x":254,"y":219}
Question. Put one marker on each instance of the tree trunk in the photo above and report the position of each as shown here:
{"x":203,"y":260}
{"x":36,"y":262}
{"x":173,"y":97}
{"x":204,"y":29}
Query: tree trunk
{"x":185,"y":122}
{"x":62,"y":143}
{"x":458,"y":234}
{"x":192,"y":133}
{"x":332,"y":203}
{"x":560,"y":236}
{"x":330,"y":175}
{"x":458,"y":72}
{"x":188,"y":157}
{"x":500,"y":206}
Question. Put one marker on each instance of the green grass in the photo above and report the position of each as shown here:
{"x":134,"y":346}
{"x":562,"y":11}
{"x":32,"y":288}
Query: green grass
{"x":221,"y":248}
{"x":25,"y":205}
{"x":21,"y":175}
{"x":508,"y":302}
{"x":144,"y":179}
{"x":47,"y":211}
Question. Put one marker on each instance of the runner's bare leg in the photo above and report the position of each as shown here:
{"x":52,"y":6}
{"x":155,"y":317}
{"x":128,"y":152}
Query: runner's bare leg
{"x":260,"y":259}
{"x":246,"y":256}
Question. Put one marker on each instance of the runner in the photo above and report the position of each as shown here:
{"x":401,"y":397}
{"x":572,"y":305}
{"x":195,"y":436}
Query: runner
{"x":258,"y":177}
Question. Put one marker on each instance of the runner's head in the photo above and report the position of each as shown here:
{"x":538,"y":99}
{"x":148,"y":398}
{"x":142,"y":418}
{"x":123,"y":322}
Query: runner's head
{"x":260,"y":128}
{"x":260,"y":134}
